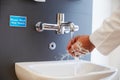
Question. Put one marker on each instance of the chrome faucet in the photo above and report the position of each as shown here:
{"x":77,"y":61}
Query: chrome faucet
{"x":61,"y":27}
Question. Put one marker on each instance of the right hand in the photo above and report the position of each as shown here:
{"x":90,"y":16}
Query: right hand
{"x":85,"y":44}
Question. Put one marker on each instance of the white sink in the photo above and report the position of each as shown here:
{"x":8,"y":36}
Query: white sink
{"x":62,"y":70}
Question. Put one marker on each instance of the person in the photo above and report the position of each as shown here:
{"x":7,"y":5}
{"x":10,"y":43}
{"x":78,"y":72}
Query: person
{"x":104,"y":39}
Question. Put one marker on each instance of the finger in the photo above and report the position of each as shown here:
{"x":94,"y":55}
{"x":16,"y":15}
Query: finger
{"x":77,"y":52}
{"x":74,"y":49}
{"x":84,"y":50}
{"x":70,"y":43}
{"x":78,"y":49}
{"x":71,"y":52}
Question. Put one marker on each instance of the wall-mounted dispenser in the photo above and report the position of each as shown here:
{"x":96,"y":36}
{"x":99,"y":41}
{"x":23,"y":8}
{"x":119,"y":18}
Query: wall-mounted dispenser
{"x":40,"y":0}
{"x":61,"y":27}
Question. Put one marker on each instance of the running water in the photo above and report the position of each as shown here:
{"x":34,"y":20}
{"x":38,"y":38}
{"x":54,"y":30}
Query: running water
{"x":76,"y":66}
{"x":72,"y":35}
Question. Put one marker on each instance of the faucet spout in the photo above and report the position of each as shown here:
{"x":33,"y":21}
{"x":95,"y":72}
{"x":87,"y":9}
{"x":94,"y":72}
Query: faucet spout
{"x":61,"y":27}
{"x":68,"y":27}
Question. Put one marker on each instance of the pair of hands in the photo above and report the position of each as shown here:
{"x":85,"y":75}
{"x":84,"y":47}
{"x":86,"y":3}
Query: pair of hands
{"x":80,"y":45}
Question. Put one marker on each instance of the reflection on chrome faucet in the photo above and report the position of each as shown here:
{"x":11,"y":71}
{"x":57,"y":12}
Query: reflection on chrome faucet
{"x":61,"y":27}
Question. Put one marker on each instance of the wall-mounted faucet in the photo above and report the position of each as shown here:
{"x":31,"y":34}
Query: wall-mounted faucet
{"x":61,"y":27}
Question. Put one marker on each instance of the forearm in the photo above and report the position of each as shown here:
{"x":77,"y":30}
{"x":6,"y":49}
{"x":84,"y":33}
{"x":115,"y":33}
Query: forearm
{"x":107,"y":37}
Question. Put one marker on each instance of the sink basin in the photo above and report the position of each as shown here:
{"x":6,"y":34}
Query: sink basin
{"x":62,"y":70}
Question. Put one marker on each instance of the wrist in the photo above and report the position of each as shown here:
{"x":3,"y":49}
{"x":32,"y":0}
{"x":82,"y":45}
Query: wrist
{"x":92,"y":46}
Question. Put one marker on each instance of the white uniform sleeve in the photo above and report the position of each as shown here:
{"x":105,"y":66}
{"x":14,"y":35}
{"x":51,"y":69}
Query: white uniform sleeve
{"x":107,"y":37}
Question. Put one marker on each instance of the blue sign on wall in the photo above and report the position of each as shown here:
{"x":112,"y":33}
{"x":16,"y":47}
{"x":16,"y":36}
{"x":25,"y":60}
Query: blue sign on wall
{"x":18,"y":21}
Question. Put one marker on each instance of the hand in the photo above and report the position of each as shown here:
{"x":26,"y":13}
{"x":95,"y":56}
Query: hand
{"x":80,"y":44}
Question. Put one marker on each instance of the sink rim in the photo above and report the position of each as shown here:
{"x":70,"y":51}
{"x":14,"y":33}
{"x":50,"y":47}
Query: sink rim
{"x":25,"y":65}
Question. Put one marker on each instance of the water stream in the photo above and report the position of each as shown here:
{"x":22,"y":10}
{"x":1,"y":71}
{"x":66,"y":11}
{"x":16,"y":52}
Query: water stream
{"x":67,"y":56}
{"x":76,"y":66}
{"x":77,"y":61}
